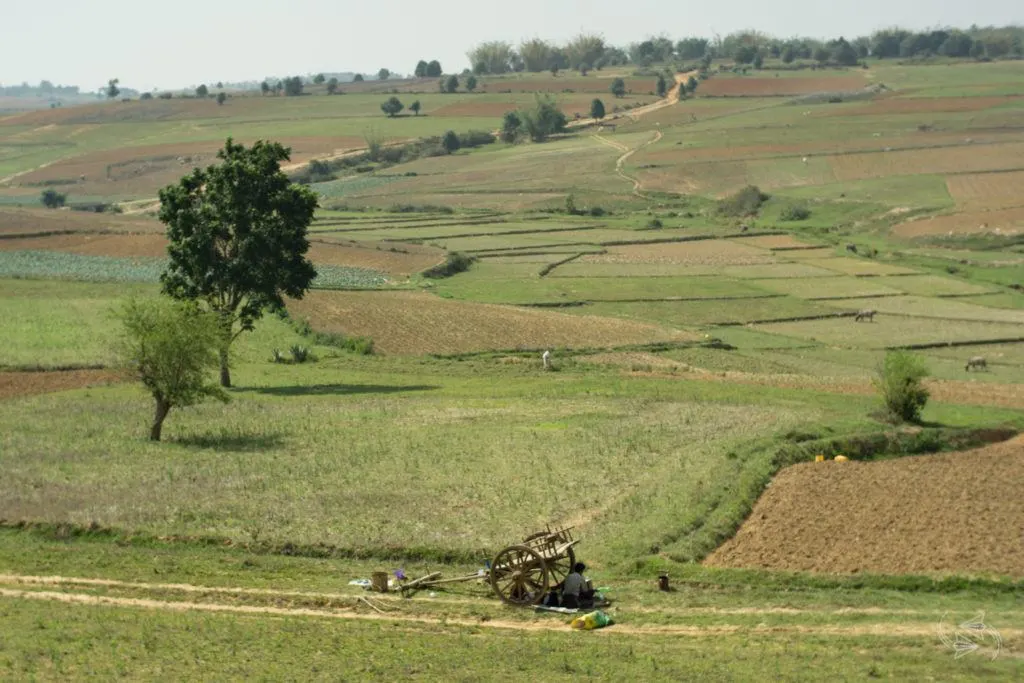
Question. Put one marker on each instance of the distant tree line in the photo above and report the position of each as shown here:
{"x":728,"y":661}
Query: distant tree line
{"x":586,"y":52}
{"x":44,"y":89}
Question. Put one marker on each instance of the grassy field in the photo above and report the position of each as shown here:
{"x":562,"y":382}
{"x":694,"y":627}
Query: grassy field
{"x":694,"y":354}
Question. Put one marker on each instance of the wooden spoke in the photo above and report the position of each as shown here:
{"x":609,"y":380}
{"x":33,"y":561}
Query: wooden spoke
{"x":519,"y":575}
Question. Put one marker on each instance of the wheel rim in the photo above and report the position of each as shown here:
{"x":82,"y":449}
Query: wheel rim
{"x":519,"y":575}
{"x":561,"y":567}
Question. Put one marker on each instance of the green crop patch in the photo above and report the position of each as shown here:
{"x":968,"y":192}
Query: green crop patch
{"x":933,"y":285}
{"x":690,"y":313}
{"x":827,"y":287}
{"x":925,"y":307}
{"x":554,"y":290}
{"x":776,"y":270}
{"x":852,"y":266}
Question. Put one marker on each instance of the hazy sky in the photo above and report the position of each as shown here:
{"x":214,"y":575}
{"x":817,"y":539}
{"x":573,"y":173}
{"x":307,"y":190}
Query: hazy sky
{"x":165,"y":44}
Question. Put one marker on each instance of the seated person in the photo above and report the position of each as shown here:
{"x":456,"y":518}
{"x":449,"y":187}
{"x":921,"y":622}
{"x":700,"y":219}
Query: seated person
{"x":575,"y":591}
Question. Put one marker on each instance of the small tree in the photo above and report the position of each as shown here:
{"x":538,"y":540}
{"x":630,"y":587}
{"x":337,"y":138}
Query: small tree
{"x":421,"y":69}
{"x":554,"y":70}
{"x":471,"y":83}
{"x":319,"y":78}
{"x":146,"y":96}
{"x":171,"y":347}
{"x":758,"y":61}
{"x":332,"y":86}
{"x":788,"y":54}
{"x":544,"y":120}
{"x":221,"y":98}
{"x":202,"y":91}
{"x":264,"y":87}
{"x":434,"y":69}
{"x":450,"y":142}
{"x":52,"y":199}
{"x":597,"y":109}
{"x":618,"y":87}
{"x":112,"y":89}
{"x":662,"y":86}
{"x":899,"y":381}
{"x":293,"y":86}
{"x":415,"y":108}
{"x":822,"y":55}
{"x":511,"y":125}
{"x":392,"y":106}
{"x":691,"y":84}
{"x":220,"y":84}
{"x":383,"y":75}
{"x":358,"y":78}
{"x":237,"y":234}
{"x":449,"y":84}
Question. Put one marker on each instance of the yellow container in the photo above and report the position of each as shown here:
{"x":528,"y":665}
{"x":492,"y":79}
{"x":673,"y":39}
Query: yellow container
{"x":842,"y":458}
{"x":819,"y":458}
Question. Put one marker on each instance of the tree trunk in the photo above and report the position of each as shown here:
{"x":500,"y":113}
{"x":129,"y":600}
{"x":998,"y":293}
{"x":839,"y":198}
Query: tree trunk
{"x":225,"y":371}
{"x":162,"y":408}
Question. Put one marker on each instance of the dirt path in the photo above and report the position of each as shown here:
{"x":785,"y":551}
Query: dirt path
{"x":558,"y":624}
{"x":16,"y":384}
{"x":621,"y":162}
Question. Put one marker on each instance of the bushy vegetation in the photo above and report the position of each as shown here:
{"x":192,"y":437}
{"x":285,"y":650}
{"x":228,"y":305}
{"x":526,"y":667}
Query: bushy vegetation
{"x":52,"y":199}
{"x":454,"y":263}
{"x":899,"y":381}
{"x":745,"y":202}
{"x":538,"y":123}
{"x":795,"y":212}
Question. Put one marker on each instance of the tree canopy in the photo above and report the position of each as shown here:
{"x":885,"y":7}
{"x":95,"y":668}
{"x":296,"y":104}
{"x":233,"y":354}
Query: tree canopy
{"x":237,"y":233}
{"x":392,"y":106}
{"x":112,"y":89}
{"x":332,"y":86}
{"x":171,"y":347}
{"x":618,"y":87}
{"x":449,"y":84}
{"x":383,"y":75}
{"x":415,"y":108}
{"x":597,"y":109}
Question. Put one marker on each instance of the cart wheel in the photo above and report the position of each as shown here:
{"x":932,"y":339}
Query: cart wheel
{"x":519,"y":575}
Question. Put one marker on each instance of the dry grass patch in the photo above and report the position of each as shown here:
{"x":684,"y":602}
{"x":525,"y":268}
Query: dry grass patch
{"x":389,"y":258}
{"x":20,"y":221}
{"x":132,"y":246}
{"x":889,"y":331}
{"x":964,"y":223}
{"x":933,"y":285}
{"x":987,"y":190}
{"x":965,"y":158}
{"x":702,"y":252}
{"x":15,"y":384}
{"x":417,"y":323}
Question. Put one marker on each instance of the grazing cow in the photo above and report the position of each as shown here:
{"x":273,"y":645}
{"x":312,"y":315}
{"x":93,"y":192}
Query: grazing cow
{"x":866,"y":314}
{"x":976,"y":363}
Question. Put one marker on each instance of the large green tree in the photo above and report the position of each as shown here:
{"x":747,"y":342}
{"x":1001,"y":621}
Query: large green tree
{"x":237,"y":233}
{"x":171,"y":347}
{"x":392,"y":106}
{"x":597,"y":109}
{"x":618,"y":87}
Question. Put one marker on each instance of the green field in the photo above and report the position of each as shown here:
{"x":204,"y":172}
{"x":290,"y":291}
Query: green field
{"x":695,"y":353}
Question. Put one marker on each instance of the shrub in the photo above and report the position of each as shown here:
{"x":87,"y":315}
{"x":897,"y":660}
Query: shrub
{"x":597,"y":211}
{"x":300,"y":354}
{"x":745,"y":202}
{"x":654,"y":224}
{"x":455,"y":263}
{"x":52,"y":199}
{"x":795,"y":212}
{"x":899,"y":383}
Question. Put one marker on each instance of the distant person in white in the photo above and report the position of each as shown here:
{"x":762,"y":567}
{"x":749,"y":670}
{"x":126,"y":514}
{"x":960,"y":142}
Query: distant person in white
{"x":546,"y":357}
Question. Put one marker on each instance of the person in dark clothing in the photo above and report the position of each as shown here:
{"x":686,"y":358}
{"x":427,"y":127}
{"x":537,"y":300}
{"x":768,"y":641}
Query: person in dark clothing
{"x":575,"y":589}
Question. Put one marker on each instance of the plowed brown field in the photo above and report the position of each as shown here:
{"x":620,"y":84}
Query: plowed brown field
{"x":1003,"y":220}
{"x":13,"y":384}
{"x":987,"y":190}
{"x":34,"y":221}
{"x":767,"y":87}
{"x":954,"y":512}
{"x":964,"y":158}
{"x":133,"y":170}
{"x":417,"y":323}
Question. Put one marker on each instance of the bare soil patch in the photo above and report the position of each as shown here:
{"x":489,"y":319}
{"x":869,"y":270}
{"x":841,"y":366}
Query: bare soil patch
{"x":19,"y":221}
{"x":16,"y":384}
{"x":767,"y":87}
{"x":418,"y":323}
{"x":137,"y":170}
{"x":954,"y":512}
{"x":636,"y":86}
{"x":133,"y":246}
{"x":1004,"y":221}
{"x":960,"y":159}
{"x":987,"y":190}
{"x":702,"y":252}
